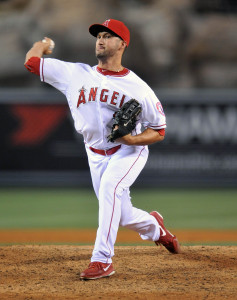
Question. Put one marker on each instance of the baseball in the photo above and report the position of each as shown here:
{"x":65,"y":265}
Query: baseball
{"x":51,"y":45}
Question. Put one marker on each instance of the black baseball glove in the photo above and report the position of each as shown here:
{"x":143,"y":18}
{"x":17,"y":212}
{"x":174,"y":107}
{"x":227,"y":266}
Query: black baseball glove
{"x":125,"y":120}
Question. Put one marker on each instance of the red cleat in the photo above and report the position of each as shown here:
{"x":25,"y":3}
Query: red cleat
{"x":168,"y":240}
{"x":97,"y":270}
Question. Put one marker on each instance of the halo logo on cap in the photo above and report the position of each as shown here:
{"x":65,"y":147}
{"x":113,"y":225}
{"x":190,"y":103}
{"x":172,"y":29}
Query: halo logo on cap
{"x":106,"y":23}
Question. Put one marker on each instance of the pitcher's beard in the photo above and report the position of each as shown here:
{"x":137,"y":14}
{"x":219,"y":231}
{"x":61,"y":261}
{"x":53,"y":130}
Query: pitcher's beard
{"x":101,"y":56}
{"x":105,"y":54}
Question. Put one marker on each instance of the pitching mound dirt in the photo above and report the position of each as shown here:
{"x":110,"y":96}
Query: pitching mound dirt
{"x":142,"y":272}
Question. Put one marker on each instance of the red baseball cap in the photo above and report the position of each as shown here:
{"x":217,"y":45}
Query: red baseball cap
{"x":114,"y":26}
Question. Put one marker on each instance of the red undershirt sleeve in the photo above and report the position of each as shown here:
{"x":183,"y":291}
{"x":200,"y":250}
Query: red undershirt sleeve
{"x":161,"y":131}
{"x":33,"y":65}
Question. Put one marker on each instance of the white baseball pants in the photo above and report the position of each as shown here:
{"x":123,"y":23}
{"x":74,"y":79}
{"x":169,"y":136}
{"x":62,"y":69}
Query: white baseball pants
{"x":112,"y":177}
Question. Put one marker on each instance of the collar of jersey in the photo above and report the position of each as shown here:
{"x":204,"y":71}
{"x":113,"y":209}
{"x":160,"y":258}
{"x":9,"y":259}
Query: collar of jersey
{"x":105,"y":72}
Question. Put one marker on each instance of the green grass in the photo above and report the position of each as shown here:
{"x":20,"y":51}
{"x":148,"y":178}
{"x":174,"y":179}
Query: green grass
{"x":77,"y":208}
{"x":47,"y":208}
{"x":190,"y":208}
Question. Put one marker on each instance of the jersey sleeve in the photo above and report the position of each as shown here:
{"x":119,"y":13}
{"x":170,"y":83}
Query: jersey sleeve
{"x":56,"y":73}
{"x":153,"y":115}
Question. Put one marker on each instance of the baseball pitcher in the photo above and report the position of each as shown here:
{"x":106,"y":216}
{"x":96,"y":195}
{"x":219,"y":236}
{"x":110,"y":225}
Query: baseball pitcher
{"x":110,"y":105}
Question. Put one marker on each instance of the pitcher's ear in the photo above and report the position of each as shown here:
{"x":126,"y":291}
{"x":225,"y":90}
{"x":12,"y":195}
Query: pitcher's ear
{"x":124,"y":44}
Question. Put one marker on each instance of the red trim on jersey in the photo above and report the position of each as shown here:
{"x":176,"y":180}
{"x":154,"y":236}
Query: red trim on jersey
{"x":115,"y":193}
{"x":153,"y":127}
{"x":105,"y":72}
{"x":42,"y":69}
{"x":33,"y":65}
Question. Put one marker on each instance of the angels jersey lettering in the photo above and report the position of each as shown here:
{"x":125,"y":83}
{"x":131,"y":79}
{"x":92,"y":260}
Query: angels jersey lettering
{"x":94,"y":96}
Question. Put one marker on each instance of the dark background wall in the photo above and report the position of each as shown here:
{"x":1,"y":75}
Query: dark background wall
{"x":39,"y":145}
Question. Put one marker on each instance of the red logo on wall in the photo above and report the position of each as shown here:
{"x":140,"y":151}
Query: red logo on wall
{"x":36,"y":123}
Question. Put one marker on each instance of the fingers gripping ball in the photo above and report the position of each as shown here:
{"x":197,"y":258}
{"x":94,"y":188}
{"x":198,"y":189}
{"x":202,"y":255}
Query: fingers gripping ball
{"x":125,"y":120}
{"x":50,"y":44}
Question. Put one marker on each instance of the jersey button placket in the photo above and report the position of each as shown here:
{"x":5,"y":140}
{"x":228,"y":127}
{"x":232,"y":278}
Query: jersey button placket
{"x":103,"y":85}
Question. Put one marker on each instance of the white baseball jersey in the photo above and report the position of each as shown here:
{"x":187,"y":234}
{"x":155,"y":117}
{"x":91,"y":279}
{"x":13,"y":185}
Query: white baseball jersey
{"x":93,"y":97}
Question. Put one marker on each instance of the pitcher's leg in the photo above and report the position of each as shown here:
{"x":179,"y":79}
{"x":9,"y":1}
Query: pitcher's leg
{"x":121,"y":172}
{"x":138,"y":219}
{"x":149,"y":226}
{"x":109,"y":217}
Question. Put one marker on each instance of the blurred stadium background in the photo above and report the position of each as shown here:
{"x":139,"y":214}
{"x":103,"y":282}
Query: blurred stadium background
{"x":185,"y":50}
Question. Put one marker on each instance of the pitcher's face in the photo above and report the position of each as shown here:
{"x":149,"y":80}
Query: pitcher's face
{"x":107,"y":45}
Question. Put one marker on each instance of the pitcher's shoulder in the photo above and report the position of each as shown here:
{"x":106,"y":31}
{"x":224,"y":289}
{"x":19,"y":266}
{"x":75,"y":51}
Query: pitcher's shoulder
{"x":133,"y":76}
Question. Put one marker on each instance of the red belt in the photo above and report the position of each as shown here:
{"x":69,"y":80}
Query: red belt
{"x":106,"y":152}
